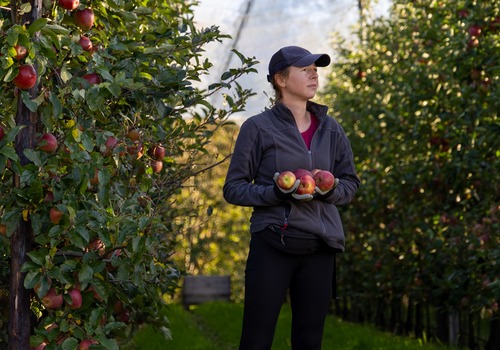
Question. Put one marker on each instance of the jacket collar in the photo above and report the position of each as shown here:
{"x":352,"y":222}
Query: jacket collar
{"x":282,"y":111}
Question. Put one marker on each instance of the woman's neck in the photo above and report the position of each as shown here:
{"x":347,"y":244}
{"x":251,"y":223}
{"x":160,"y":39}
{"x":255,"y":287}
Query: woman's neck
{"x":300,"y":114}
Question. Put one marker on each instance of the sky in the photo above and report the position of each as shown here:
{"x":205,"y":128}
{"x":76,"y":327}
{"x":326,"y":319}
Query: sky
{"x":259,"y":28}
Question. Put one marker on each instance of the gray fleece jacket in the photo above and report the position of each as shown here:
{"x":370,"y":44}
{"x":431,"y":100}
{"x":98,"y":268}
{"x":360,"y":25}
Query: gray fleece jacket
{"x":270,"y":142}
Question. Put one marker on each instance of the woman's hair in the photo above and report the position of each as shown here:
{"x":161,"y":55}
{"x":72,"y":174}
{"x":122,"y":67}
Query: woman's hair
{"x":277,"y":90}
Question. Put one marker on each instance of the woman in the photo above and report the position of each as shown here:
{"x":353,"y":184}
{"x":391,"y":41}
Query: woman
{"x":294,"y":236}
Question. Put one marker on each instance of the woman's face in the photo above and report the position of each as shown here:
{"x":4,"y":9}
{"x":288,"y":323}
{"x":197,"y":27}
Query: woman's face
{"x":300,"y":83}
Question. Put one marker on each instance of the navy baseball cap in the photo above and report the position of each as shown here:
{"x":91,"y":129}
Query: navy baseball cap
{"x":297,"y":57}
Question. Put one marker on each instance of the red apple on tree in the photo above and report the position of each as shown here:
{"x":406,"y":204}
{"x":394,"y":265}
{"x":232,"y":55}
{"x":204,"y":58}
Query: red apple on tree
{"x":40,"y":346}
{"x":286,"y":179}
{"x":473,"y":42}
{"x":55,"y":215}
{"x":76,"y":298}
{"x":3,"y":230}
{"x":324,"y":180}
{"x":26,"y":78}
{"x":92,"y":78}
{"x":463,"y":13}
{"x":84,"y":18}
{"x":111,"y":143}
{"x":134,"y":135}
{"x":86,"y":344}
{"x":158,"y":152}
{"x":85,"y":43}
{"x":48,"y":143}
{"x":98,"y":246}
{"x":52,"y":300}
{"x":21,"y":52}
{"x":69,"y":4}
{"x":306,"y":185}
{"x":474,"y":30}
{"x":2,"y":133}
{"x":157,"y":166}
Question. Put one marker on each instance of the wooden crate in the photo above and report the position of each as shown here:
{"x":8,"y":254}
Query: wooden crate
{"x":200,"y":289}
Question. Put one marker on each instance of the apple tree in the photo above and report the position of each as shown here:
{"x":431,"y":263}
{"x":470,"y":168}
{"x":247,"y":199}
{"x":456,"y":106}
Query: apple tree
{"x":420,"y":99}
{"x":102,"y":117}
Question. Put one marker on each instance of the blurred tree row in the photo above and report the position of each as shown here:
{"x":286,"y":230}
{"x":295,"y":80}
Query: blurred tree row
{"x":420,"y":100}
{"x":101,"y":125}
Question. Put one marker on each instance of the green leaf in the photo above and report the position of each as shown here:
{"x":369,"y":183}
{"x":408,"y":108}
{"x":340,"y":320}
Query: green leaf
{"x":31,"y":279}
{"x":58,"y":29}
{"x":107,"y":343}
{"x":65,"y":74}
{"x":38,"y":257}
{"x":56,"y":105}
{"x":31,"y":104}
{"x":96,"y":317}
{"x":9,"y":152}
{"x":37,"y":25}
{"x":25,"y":8}
{"x":70,"y":343}
{"x":33,"y":156}
{"x":12,"y":36}
{"x":87,"y":142}
{"x":86,"y":274}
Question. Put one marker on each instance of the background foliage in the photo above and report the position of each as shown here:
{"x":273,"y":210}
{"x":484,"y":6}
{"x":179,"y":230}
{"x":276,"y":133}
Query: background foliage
{"x":114,"y":241}
{"x":420,"y":99}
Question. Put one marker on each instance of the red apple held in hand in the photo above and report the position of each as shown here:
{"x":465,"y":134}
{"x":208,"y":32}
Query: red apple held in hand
{"x":286,"y":179}
{"x":21,"y":52}
{"x":76,"y":298}
{"x":48,"y":143}
{"x":26,"y":78}
{"x":307,"y":185}
{"x":52,"y":300}
{"x":55,"y":215}
{"x":301,"y":172}
{"x":69,"y":4}
{"x":86,"y":344}
{"x":92,"y":78}
{"x":85,"y":43}
{"x":84,"y":18}
{"x":324,"y":180}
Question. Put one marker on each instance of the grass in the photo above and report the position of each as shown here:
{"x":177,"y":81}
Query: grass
{"x":216,"y":326}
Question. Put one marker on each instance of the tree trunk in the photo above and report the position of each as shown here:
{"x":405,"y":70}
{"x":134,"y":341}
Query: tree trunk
{"x":21,"y":240}
{"x":453,"y":328}
{"x":419,"y":320}
{"x":442,"y":326}
{"x":494,"y":337}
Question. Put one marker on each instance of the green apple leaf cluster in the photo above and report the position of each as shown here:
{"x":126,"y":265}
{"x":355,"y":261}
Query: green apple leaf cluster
{"x":419,"y":95}
{"x":109,"y":108}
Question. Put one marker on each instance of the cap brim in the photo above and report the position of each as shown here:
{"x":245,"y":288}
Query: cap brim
{"x":321,"y":60}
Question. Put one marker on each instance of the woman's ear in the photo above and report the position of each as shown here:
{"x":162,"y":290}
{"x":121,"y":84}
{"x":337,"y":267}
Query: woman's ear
{"x":280,"y":80}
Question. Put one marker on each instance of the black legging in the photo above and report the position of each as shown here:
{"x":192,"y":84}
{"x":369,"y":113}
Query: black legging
{"x":269,"y":274}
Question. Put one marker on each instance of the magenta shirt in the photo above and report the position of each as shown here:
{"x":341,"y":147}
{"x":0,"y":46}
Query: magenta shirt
{"x":308,"y":134}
